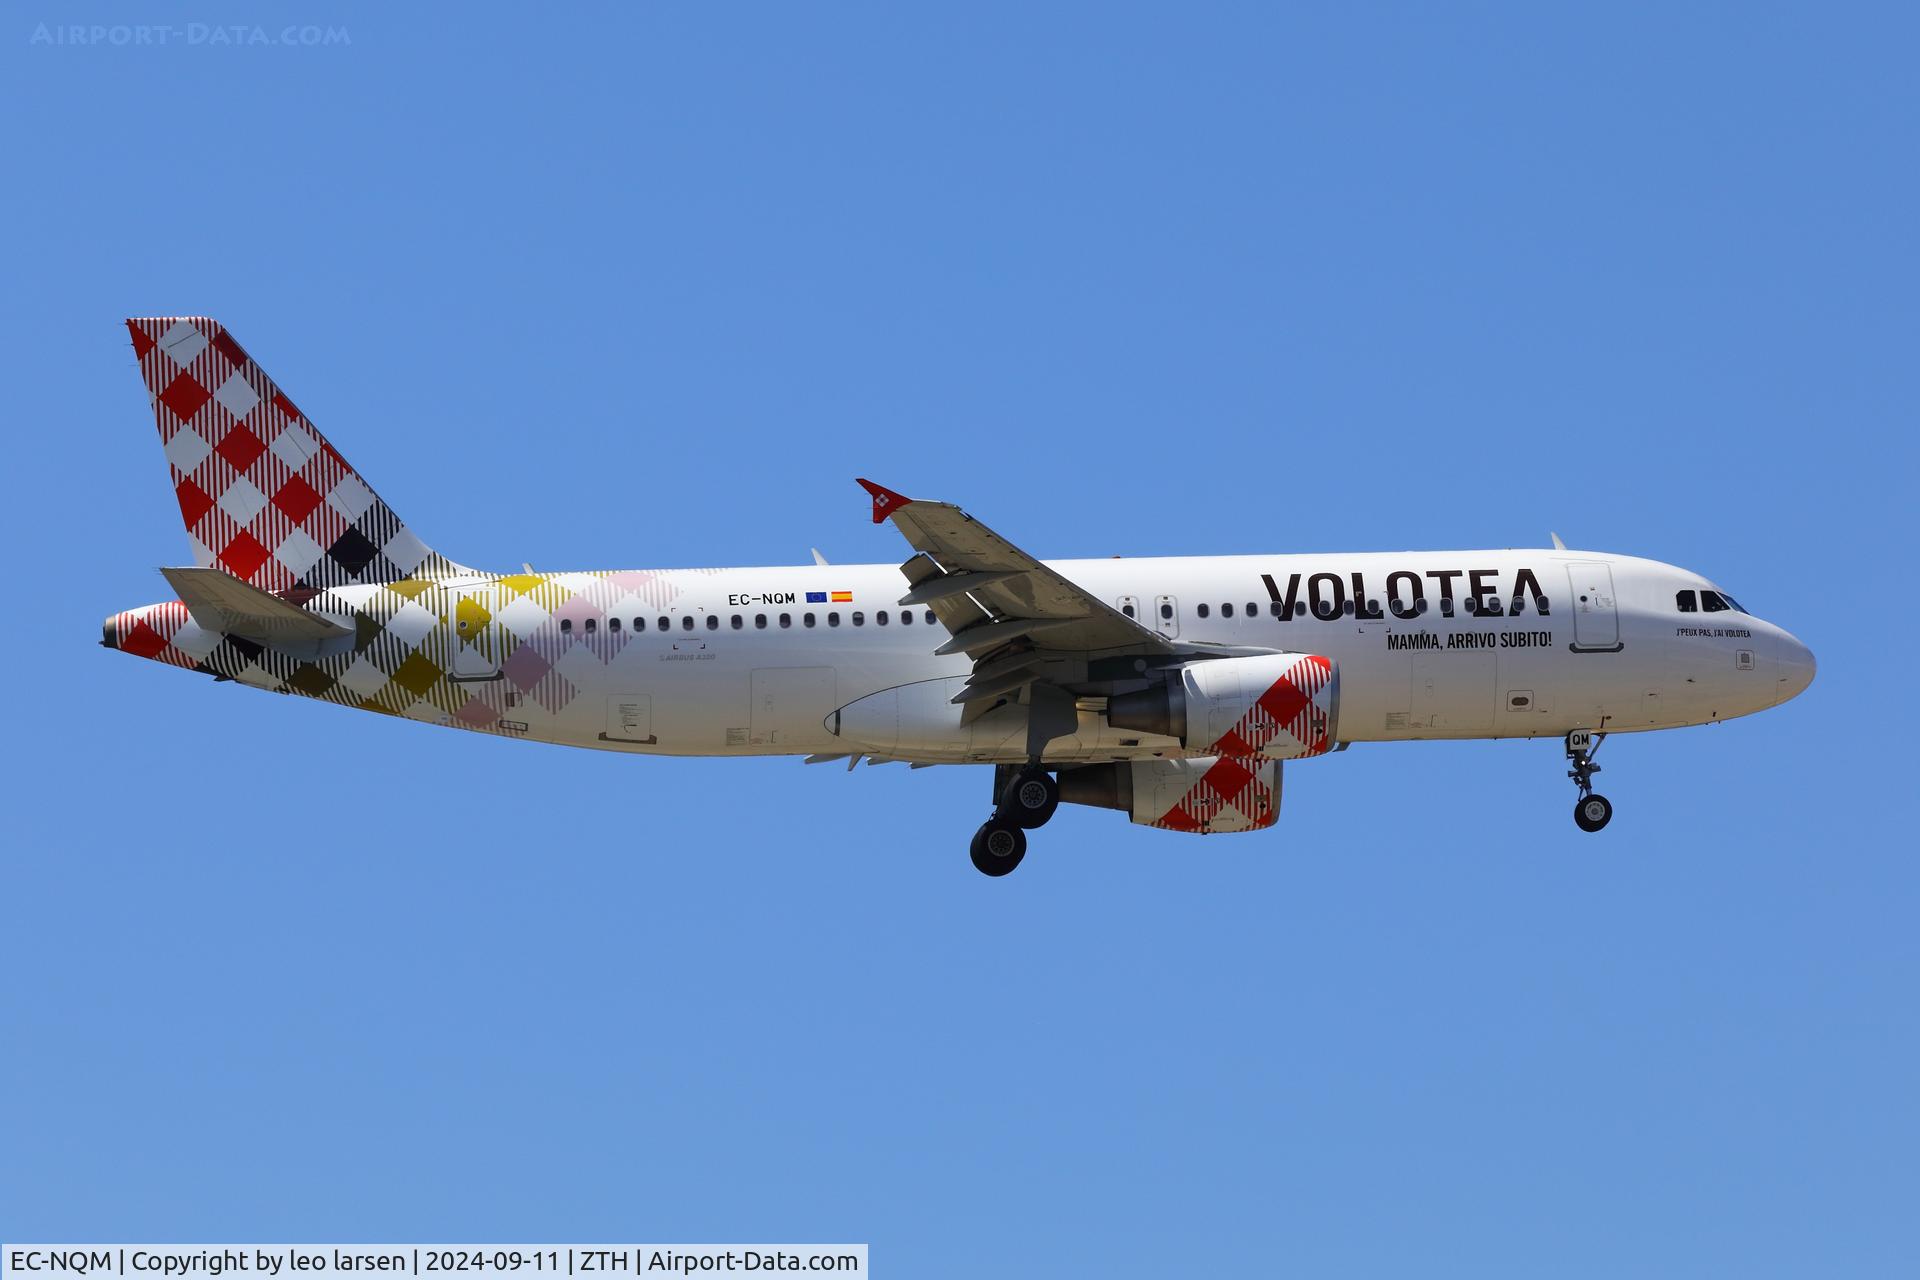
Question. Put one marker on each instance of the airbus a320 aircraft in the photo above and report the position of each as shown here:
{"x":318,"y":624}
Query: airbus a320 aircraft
{"x":1171,"y":689}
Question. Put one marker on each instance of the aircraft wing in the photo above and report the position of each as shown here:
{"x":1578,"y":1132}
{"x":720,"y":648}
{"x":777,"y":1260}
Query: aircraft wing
{"x":989,"y":593}
{"x":1026,"y":627}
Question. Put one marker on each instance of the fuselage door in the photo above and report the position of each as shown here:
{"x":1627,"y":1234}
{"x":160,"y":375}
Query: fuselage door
{"x":476,"y":643}
{"x":1596,"y":620}
{"x":1166,"y":616}
{"x":789,"y":703}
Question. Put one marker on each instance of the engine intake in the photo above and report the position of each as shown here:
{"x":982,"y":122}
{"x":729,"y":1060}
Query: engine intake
{"x":1283,"y":706}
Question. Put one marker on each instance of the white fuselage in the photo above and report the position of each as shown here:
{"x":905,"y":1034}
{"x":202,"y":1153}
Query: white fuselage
{"x":739,"y":662}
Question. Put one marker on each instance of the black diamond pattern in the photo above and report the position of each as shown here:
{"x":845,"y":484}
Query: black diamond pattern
{"x":352,"y":552}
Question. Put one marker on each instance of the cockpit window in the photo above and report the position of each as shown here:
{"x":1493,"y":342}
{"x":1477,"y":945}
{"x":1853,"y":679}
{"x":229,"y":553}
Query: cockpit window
{"x":1712,"y":602}
{"x":1686,"y":602}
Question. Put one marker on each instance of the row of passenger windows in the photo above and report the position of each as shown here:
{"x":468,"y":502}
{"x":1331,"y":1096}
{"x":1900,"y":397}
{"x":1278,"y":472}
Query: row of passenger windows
{"x":1688,"y":601}
{"x":1713,"y":602}
{"x":738,"y":621}
{"x":1279,"y":610}
{"x":1709,"y":602}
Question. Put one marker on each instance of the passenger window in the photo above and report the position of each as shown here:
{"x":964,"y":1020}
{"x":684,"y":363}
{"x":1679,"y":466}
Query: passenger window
{"x":613,"y":624}
{"x":1127,"y":609}
{"x":1226,"y":610}
{"x":737,"y":622}
{"x":859,"y":619}
{"x":906,"y":617}
{"x":879,"y":617}
{"x":1201,"y":609}
{"x":806,"y":619}
{"x":786,"y":620}
{"x":759,"y":622}
{"x":1253,"y":610}
{"x":1166,"y":611}
{"x":833,"y":619}
{"x":591,"y":623}
{"x":1685,"y":602}
{"x":664,"y":623}
{"x":566,"y":626}
{"x":713,"y":623}
{"x":1277,"y":609}
{"x":929,"y":618}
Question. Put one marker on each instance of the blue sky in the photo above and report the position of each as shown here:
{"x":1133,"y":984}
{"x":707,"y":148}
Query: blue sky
{"x":647,"y":286}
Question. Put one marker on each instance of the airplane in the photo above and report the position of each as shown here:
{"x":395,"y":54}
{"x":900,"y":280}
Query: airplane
{"x":1173,"y":689}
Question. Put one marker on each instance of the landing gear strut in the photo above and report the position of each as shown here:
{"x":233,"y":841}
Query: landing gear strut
{"x":1025,"y":798}
{"x":1591,"y":811}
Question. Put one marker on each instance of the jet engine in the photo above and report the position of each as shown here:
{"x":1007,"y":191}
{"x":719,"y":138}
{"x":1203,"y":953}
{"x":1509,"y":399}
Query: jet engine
{"x":1281,"y":706}
{"x":1202,"y":794}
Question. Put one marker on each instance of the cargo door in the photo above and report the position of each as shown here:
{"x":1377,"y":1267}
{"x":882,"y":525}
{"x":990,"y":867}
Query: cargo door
{"x":1453,"y":693}
{"x":789,"y":705}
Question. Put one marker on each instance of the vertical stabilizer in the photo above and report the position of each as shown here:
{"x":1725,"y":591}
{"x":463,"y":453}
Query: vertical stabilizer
{"x":265,"y":497}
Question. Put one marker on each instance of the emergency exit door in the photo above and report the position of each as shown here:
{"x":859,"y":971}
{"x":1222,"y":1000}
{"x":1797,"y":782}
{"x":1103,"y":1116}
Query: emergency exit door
{"x":1596,"y":620}
{"x":1166,"y":616}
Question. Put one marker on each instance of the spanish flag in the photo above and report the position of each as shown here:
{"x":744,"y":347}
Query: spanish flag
{"x":843,"y":597}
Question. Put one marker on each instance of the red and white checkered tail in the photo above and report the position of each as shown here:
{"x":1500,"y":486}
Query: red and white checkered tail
{"x":263,"y":494}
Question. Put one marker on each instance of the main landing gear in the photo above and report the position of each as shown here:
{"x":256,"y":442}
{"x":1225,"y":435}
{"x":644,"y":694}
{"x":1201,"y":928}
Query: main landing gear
{"x":1026,"y":799}
{"x":1591,"y":811}
{"x":998,"y":846}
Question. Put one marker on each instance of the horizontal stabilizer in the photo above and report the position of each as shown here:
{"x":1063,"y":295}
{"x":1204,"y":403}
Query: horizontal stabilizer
{"x":219,"y":601}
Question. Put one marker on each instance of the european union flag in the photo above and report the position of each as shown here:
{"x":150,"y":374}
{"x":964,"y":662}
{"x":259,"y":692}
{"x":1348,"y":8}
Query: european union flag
{"x":816,"y":597}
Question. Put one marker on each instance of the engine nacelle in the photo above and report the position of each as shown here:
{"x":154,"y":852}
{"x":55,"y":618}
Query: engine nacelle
{"x":1203,"y":794}
{"x":1282,"y":706}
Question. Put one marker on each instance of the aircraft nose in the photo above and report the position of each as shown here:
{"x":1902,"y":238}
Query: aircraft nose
{"x":1796,"y":668}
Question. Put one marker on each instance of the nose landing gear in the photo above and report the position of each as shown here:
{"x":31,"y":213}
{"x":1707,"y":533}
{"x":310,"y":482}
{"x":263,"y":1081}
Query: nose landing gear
{"x":1026,"y":799}
{"x":1591,"y":811}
